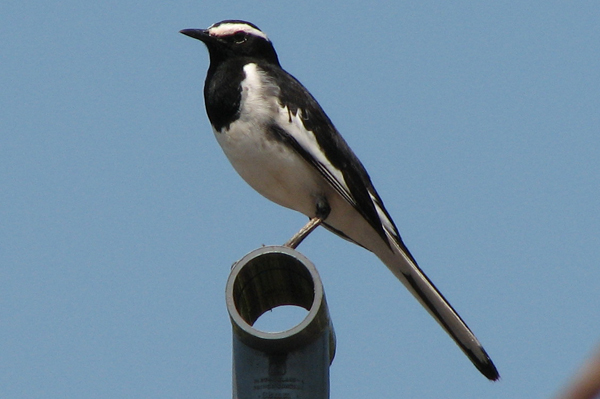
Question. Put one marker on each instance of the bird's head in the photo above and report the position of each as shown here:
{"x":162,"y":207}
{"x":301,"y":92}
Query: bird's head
{"x":234,"y":38}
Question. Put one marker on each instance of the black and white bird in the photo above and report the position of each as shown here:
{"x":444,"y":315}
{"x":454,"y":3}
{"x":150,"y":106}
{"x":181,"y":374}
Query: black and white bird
{"x":281,"y":142}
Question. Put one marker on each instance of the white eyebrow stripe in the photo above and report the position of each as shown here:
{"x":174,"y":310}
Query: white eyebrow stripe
{"x":229,"y":29}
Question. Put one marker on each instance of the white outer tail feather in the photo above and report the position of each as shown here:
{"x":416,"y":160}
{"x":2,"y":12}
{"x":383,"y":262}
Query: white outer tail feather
{"x":403,"y":267}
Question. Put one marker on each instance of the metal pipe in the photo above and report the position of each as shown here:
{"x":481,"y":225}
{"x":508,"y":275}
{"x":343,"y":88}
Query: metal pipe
{"x":287,"y":364}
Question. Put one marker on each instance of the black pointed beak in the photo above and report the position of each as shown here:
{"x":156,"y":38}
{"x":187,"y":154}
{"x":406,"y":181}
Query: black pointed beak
{"x":200,"y":34}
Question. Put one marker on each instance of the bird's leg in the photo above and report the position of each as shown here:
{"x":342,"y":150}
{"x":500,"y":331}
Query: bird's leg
{"x":323,"y":210}
{"x":312,"y":224}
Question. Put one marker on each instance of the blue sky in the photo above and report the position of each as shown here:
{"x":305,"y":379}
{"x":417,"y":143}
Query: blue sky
{"x":120,"y":216}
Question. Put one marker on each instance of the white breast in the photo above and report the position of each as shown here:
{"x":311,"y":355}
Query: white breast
{"x":270,"y":167}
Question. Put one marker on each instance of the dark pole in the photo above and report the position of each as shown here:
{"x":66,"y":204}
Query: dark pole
{"x":288,"y":364}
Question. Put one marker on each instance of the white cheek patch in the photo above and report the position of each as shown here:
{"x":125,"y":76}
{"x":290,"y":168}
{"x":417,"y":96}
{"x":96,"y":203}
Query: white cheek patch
{"x":229,"y":29}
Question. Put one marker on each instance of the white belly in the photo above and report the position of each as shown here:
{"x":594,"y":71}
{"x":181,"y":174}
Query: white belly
{"x":282,"y":176}
{"x":273,"y":169}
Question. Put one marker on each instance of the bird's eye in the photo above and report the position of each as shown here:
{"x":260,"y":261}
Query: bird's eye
{"x":239,"y":37}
